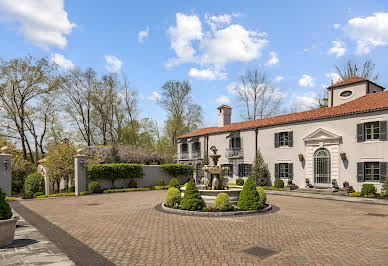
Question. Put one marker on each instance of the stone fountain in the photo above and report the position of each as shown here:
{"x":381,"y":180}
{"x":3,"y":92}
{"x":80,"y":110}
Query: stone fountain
{"x":213,"y":184}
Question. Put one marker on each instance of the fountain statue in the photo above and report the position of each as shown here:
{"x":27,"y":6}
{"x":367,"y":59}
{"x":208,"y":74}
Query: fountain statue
{"x":211,"y":186}
{"x":216,"y":182}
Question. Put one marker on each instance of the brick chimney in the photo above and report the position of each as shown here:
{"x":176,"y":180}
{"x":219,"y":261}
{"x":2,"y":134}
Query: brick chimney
{"x":224,"y":115}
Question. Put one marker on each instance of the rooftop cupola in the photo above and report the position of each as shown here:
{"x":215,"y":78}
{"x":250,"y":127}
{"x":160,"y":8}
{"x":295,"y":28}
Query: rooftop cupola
{"x":224,"y":115}
{"x":351,"y":89}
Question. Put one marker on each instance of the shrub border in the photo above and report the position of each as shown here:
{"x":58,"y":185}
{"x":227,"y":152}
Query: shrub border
{"x":214,"y":214}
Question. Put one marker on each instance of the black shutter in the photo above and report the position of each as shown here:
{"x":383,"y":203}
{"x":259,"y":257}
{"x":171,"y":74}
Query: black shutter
{"x":383,"y":171}
{"x":276,"y":170}
{"x":290,"y":170}
{"x":290,"y":139}
{"x":276,"y":140}
{"x":383,"y":130}
{"x":240,"y":170}
{"x":360,"y":172}
{"x":360,"y":133}
{"x":230,"y":143}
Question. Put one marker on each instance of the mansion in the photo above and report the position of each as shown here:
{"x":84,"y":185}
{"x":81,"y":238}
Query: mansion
{"x":346,"y":141}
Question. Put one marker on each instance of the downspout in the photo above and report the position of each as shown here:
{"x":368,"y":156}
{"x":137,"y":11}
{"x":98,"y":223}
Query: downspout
{"x":256,"y":133}
{"x":332,"y":95}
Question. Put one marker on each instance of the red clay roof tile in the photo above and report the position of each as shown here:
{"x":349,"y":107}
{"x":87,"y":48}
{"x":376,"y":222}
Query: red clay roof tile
{"x":368,"y":103}
{"x":347,"y":82}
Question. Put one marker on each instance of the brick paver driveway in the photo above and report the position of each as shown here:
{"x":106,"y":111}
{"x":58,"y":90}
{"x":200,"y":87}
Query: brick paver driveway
{"x":127,"y":229}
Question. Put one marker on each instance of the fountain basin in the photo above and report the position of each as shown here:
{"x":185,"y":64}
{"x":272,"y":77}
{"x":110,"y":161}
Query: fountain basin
{"x":209,"y":196}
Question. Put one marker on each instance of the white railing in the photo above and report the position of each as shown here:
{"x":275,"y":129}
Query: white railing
{"x":234,"y":153}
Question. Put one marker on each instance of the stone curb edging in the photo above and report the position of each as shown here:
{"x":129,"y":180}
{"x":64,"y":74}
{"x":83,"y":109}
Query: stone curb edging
{"x":328,"y":197}
{"x":214,"y":214}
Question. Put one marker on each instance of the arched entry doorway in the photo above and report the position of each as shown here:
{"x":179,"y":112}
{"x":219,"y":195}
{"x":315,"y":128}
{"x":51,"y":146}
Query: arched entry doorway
{"x":322,"y":167}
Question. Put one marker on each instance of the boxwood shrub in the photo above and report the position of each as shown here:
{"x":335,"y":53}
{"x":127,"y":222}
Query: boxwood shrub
{"x":176,"y":170}
{"x":278,"y":183}
{"x":262,"y":196}
{"x":222,"y":202}
{"x":5,"y":209}
{"x":239,"y":182}
{"x":174,"y":183}
{"x":115,"y":171}
{"x":368,"y":191}
{"x":94,"y":187}
{"x":173,"y":197}
{"x":34,"y":183}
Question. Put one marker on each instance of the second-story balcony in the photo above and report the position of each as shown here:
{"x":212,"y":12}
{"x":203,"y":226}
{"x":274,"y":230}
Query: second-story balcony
{"x":195,"y":154}
{"x":234,"y":153}
{"x":183,"y":156}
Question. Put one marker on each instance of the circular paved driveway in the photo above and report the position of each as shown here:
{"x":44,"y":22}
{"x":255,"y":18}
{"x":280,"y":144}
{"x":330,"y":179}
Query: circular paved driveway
{"x":127,"y":229}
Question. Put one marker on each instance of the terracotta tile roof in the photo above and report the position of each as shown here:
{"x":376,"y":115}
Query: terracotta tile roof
{"x":347,"y":82}
{"x":368,"y":103}
{"x":224,"y":106}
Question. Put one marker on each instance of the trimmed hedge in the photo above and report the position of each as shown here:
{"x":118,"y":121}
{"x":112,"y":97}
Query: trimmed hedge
{"x":37,"y":194}
{"x":222,"y":202}
{"x":176,"y":170}
{"x":34,"y":183}
{"x":173,"y":197}
{"x":192,"y":199}
{"x":278,"y":183}
{"x":62,"y":195}
{"x":249,"y":197}
{"x":368,"y":191}
{"x":115,"y":171}
{"x":239,"y":182}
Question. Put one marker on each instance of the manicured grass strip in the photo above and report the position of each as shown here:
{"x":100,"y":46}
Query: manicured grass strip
{"x":273,"y":188}
{"x":62,"y":194}
{"x":10,"y":198}
{"x":79,"y":253}
{"x":135,"y":189}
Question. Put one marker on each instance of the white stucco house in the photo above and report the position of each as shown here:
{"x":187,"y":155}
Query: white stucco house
{"x":346,"y":141}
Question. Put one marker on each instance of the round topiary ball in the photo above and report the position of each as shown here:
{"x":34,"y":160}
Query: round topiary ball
{"x":174,"y":183}
{"x":94,"y":187}
{"x":239,"y":182}
{"x":222,"y":202}
{"x":173,"y":197}
{"x":279,"y":183}
{"x":262,"y":196}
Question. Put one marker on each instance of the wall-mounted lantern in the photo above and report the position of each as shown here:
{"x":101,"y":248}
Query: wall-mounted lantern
{"x":6,"y":164}
{"x":82,"y":163}
{"x":300,"y":156}
{"x":343,"y":156}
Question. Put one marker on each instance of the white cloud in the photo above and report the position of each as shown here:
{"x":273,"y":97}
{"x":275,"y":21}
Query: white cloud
{"x":187,"y":29}
{"x":336,"y":26}
{"x":273,"y":60}
{"x":337,"y":48}
{"x":278,"y":79}
{"x":223,"y":99}
{"x":155,"y":96}
{"x":233,"y":87}
{"x":333,"y":77}
{"x":369,"y":32}
{"x":113,"y":64}
{"x":305,"y":102}
{"x":43,"y":22}
{"x":216,"y":47}
{"x":142,"y":35}
{"x":61,"y":61}
{"x":206,"y":74}
{"x":306,"y":81}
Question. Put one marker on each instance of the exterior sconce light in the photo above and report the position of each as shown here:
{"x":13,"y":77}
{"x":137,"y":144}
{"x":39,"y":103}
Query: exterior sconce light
{"x":82,"y":163}
{"x":300,"y":156}
{"x":343,"y":156}
{"x":6,"y":164}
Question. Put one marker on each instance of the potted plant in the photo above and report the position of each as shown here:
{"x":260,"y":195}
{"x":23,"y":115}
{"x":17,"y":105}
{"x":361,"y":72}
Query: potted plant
{"x":7,"y":222}
{"x":300,"y":156}
{"x":308,"y":185}
{"x":334,"y":185}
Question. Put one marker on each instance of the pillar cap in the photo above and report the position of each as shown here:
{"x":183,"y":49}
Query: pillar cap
{"x":4,"y":150}
{"x":80,"y":152}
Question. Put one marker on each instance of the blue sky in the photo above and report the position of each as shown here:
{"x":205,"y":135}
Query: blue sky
{"x":209,"y":43}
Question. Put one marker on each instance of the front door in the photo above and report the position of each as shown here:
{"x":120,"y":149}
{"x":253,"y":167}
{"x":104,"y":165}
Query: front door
{"x":322,"y":167}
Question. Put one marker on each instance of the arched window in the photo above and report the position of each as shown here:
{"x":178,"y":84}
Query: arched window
{"x":322,"y":166}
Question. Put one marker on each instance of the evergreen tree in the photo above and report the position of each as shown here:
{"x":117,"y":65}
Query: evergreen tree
{"x":192,"y":199}
{"x":249,"y":197}
{"x":259,"y":170}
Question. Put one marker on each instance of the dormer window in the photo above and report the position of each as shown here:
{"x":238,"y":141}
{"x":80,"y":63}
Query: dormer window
{"x":346,"y":94}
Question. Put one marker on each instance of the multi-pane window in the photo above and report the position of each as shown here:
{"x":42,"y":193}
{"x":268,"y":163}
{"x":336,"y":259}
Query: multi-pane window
{"x":283,"y":139}
{"x":228,"y":173}
{"x":283,"y":170}
{"x":235,"y":143}
{"x":184,"y":147}
{"x":372,"y":130}
{"x":198,"y":170}
{"x":245,"y":170}
{"x":372,"y":171}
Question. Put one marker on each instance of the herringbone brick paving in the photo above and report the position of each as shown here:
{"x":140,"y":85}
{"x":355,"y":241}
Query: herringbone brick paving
{"x":127,"y":229}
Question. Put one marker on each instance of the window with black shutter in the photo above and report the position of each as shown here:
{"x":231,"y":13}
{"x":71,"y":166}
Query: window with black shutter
{"x":284,"y":139}
{"x":371,"y":171}
{"x":285,"y":170}
{"x":376,"y":130}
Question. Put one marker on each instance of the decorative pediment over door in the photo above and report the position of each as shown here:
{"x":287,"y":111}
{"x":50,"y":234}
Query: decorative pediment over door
{"x":322,"y":137}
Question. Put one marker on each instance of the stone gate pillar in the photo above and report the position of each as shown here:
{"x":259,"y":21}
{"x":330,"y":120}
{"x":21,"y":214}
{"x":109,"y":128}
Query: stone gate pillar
{"x":80,"y":172}
{"x":5,"y":171}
